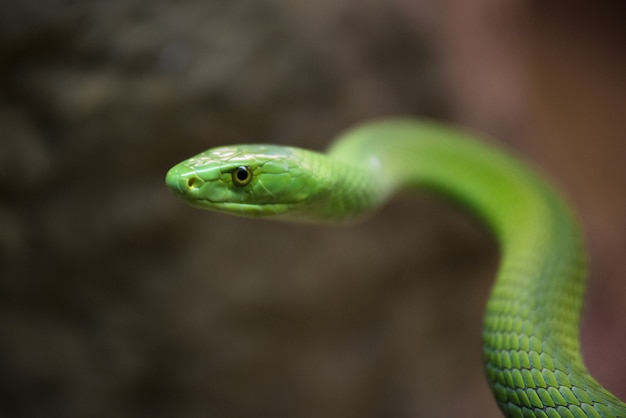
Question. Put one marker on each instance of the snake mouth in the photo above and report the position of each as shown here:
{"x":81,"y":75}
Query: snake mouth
{"x":245,"y":209}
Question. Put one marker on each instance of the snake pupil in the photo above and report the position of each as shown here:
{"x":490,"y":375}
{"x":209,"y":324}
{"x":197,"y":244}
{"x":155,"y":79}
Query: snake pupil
{"x":242,"y":176}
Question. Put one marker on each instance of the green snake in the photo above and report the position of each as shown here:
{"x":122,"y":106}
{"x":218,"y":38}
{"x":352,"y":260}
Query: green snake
{"x":530,"y":336}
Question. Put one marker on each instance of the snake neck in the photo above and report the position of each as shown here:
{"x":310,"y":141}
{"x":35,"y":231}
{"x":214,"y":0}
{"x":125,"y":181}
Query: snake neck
{"x":530,"y":337}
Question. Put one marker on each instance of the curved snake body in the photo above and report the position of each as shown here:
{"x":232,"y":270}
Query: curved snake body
{"x":530,"y":336}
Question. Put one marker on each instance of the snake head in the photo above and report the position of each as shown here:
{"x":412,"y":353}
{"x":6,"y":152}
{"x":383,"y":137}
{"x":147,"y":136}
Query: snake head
{"x":247,"y":180}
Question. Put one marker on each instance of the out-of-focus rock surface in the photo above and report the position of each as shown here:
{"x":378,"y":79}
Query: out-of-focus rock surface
{"x":117,"y":300}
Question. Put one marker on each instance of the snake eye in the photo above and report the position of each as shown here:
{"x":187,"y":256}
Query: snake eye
{"x":242,"y":175}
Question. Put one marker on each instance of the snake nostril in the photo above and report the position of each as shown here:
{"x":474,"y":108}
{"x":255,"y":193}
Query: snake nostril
{"x":192,"y":183}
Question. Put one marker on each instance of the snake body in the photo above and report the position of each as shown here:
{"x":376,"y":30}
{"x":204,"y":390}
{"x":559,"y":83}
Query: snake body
{"x":530,"y":336}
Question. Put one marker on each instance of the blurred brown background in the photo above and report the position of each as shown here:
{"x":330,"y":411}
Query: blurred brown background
{"x":118,"y":300}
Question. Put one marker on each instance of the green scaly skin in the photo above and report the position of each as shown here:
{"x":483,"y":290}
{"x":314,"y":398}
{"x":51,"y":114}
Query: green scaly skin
{"x":530,"y":337}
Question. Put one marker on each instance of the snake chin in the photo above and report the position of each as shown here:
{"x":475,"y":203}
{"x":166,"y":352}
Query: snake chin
{"x":247,"y":210}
